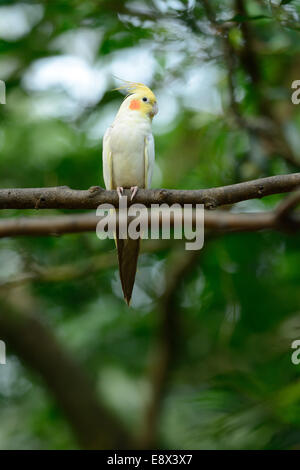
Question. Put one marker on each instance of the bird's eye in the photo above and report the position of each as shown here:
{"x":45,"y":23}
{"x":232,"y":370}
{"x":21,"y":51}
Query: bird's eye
{"x":145,"y":99}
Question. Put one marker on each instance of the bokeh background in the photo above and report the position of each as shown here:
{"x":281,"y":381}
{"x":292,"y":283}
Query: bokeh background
{"x":202,"y":360}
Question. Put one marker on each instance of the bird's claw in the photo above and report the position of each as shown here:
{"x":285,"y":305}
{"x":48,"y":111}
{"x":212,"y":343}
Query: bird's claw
{"x":133,"y":190}
{"x":120,"y":191}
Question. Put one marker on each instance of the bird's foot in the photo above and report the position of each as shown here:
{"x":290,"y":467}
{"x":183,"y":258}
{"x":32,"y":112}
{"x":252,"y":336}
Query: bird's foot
{"x":120,"y":191}
{"x":133,"y":190}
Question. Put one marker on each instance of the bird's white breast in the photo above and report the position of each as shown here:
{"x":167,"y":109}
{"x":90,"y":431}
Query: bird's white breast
{"x":127,"y":145}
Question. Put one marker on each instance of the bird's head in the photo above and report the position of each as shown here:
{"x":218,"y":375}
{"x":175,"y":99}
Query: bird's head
{"x":140,"y":99}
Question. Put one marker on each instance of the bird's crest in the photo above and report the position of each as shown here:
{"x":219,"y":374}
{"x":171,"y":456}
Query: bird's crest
{"x":133,"y":87}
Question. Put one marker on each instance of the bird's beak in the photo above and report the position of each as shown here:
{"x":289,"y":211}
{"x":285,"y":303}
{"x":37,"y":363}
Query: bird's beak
{"x":154,"y":109}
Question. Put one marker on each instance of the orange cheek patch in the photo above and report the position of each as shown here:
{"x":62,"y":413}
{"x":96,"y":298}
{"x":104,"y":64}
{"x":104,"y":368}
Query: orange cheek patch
{"x":135,"y":104}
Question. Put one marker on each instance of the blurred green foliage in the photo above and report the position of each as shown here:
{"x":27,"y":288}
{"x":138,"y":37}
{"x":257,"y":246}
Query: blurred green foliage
{"x":232,"y":385}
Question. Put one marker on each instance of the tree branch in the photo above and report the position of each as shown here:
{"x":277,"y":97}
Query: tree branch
{"x":284,"y":216}
{"x":76,"y":270}
{"x":94,"y":425}
{"x":168,"y":342}
{"x":288,"y":204}
{"x":267,"y":127}
{"x":271,"y":134}
{"x":215,"y":220}
{"x":62,"y":197}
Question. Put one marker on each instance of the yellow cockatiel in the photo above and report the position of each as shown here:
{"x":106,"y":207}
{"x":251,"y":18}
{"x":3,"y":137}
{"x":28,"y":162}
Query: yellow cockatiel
{"x":128,"y":160}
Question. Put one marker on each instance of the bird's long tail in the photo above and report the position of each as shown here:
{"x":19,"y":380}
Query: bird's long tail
{"x":128,"y":252}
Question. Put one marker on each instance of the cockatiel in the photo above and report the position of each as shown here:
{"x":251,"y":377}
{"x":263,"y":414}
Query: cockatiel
{"x":128,"y":160}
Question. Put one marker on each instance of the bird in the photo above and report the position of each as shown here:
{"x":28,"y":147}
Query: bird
{"x":128,"y":159}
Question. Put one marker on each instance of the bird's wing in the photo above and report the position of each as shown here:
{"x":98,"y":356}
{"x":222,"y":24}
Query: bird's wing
{"x":149,"y":159}
{"x":107,"y":160}
{"x":128,"y":250}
